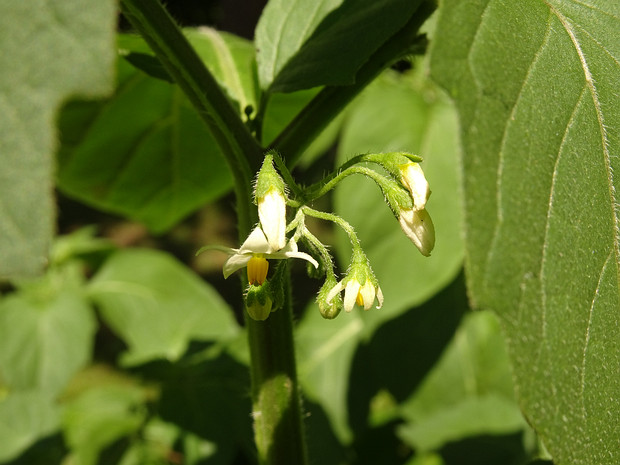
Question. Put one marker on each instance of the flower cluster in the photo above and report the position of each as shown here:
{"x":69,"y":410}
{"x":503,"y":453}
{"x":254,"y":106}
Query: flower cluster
{"x":406,"y":191}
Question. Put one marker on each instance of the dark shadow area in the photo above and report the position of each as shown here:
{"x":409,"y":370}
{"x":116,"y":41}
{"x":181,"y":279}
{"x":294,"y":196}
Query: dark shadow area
{"x":403,"y":350}
{"x":46,"y":451}
{"x":324,"y":446}
{"x":380,"y":445}
{"x":486,"y":450}
{"x":209,"y":398}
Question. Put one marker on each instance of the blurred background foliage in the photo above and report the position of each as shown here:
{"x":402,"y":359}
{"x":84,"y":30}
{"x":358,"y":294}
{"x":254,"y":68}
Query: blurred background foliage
{"x":131,"y":350}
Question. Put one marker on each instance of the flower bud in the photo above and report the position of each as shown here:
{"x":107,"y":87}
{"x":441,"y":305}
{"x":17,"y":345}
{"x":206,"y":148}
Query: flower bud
{"x":258,"y":301}
{"x":329,"y":308}
{"x":270,"y":197}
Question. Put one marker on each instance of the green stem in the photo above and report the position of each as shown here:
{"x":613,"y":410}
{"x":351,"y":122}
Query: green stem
{"x":330,"y":101}
{"x":321,"y":188}
{"x":278,"y":426}
{"x":275,"y":391}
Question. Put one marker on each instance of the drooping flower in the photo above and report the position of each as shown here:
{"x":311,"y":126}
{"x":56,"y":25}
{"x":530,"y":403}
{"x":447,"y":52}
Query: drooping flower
{"x":412,"y":177}
{"x":418,"y":227}
{"x":360,"y":287}
{"x":254,"y":253}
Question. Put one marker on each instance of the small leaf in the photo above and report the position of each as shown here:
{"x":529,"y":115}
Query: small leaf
{"x":25,"y":417}
{"x":100,"y":416}
{"x":158,"y":306}
{"x":537,"y":85}
{"x":308,"y":44}
{"x":46,"y":333}
{"x":50,"y":51}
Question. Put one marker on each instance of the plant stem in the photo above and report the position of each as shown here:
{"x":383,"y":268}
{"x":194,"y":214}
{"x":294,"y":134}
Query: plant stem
{"x":278,"y":426}
{"x":332,"y":99}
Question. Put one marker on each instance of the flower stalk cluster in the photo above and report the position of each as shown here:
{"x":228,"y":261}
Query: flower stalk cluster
{"x":406,"y":192}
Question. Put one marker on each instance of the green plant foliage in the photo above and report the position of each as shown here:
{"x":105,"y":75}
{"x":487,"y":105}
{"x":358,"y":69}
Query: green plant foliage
{"x":163,"y":163}
{"x":25,"y":417}
{"x":295,"y":40}
{"x":157,"y":306}
{"x":32,"y":91}
{"x":54,"y":310}
{"x":100,"y":416}
{"x":469,"y":391}
{"x":536,"y":85}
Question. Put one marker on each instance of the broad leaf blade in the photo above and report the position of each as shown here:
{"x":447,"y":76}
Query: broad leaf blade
{"x":536,"y":85}
{"x":50,"y":51}
{"x":158,"y":306}
{"x":308,"y":44}
{"x":143,"y":153}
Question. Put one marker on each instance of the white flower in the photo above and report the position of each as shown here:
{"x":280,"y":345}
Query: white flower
{"x":412,"y":177}
{"x":272,"y":216}
{"x":256,"y":249}
{"x":418,"y":227}
{"x":357,"y":293}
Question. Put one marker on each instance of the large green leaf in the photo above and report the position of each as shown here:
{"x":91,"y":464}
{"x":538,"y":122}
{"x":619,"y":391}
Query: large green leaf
{"x":402,"y":113}
{"x":305,"y":44}
{"x":144,"y":152}
{"x":157,"y":305}
{"x":537,"y":85}
{"x":50,"y":50}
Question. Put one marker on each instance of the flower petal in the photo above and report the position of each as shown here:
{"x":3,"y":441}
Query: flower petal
{"x":368,"y":294}
{"x":379,"y":297}
{"x":272,"y":215}
{"x":350,"y":294}
{"x":418,"y":227}
{"x":256,"y":243}
{"x":333,"y":291}
{"x":413,"y":178}
{"x":236,"y":262}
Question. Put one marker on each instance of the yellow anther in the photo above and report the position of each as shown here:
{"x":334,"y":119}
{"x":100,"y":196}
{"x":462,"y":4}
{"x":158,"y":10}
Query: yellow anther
{"x":258,"y":266}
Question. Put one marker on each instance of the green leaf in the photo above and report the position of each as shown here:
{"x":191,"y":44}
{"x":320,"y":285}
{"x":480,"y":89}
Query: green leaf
{"x":25,"y":417}
{"x":46,"y":333}
{"x":50,"y":51}
{"x":143,"y":153}
{"x":308,"y":44}
{"x":469,"y":392}
{"x":157,"y":306}
{"x":100,"y":416}
{"x":536,"y":85}
{"x":402,"y":113}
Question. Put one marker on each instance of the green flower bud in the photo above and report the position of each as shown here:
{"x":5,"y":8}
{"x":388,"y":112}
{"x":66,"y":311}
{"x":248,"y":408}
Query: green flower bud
{"x":329,"y":308}
{"x":258,"y":301}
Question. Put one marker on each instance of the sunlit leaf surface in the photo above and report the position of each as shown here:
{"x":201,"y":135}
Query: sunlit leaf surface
{"x":537,"y":85}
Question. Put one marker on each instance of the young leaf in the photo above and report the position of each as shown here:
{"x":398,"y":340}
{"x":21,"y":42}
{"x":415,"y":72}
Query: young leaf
{"x":50,"y":51}
{"x":46,"y":334}
{"x":537,"y":85}
{"x":308,"y":44}
{"x":157,"y":305}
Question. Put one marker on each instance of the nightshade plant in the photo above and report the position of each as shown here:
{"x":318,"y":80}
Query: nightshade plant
{"x":114,"y":351}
